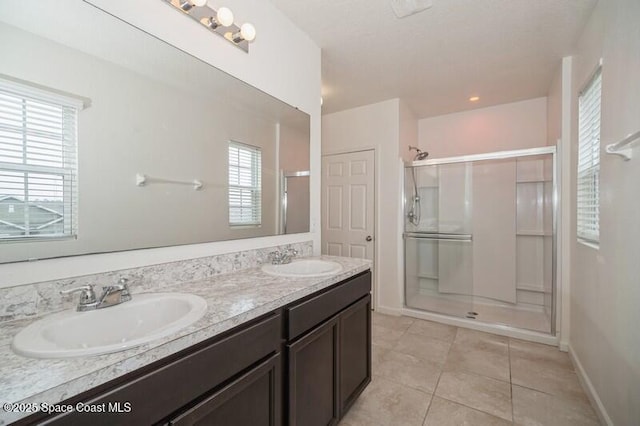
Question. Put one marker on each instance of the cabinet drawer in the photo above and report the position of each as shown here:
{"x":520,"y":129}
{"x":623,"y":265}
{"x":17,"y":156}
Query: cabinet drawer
{"x":155,"y":395}
{"x":303,"y":316}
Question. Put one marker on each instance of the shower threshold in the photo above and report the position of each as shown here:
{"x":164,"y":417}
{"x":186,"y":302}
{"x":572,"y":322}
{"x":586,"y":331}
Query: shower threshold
{"x":534,"y":319}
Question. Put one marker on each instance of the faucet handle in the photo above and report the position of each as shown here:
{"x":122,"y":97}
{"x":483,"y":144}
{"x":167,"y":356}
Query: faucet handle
{"x":120,"y":286}
{"x":87,"y":294}
{"x":122,"y":283}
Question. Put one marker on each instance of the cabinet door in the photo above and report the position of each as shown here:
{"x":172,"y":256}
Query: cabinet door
{"x":313,"y":369}
{"x":252,"y":399}
{"x":354,"y":352}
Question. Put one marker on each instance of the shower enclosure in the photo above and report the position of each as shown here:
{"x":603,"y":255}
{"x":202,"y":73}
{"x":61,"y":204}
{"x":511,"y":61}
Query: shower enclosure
{"x":479,"y":237}
{"x":294,"y":202}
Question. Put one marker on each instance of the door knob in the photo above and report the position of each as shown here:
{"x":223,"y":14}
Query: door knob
{"x":369,"y":238}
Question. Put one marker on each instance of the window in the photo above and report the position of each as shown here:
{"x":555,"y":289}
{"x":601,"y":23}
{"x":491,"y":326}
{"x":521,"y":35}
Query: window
{"x":245,"y":188}
{"x":38,"y":188}
{"x":589,"y":160}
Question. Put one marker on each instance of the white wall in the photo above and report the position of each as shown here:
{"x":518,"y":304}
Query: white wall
{"x":376,"y":126}
{"x":283,"y":62}
{"x":605,"y":290}
{"x":504,"y":127}
{"x":408,"y":132}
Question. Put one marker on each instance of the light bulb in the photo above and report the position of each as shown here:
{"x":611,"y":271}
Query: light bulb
{"x":248,"y":31}
{"x":199,"y":3}
{"x":224,"y":17}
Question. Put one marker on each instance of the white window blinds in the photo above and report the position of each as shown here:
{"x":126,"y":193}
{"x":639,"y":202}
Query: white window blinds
{"x":38,"y":187}
{"x":588,"y":207}
{"x":245,"y":187}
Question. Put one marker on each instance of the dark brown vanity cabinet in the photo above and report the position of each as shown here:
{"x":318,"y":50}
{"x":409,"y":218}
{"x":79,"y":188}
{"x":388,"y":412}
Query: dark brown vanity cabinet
{"x":313,"y":376}
{"x":354,"y":352}
{"x":329,"y":364}
{"x":252,"y":399}
{"x":303,"y":364}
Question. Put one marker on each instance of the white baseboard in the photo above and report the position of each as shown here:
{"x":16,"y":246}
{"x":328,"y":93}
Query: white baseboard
{"x":593,"y":396}
{"x":389,"y":311}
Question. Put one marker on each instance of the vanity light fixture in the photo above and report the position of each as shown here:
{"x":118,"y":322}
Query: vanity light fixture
{"x":224,"y":17}
{"x":218,"y":21}
{"x":187,"y":5}
{"x":247,"y":32}
{"x":474,"y":99}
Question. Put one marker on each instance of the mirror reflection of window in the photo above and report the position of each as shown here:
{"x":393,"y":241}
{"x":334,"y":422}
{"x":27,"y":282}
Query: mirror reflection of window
{"x":37,"y":162}
{"x":245,"y":185}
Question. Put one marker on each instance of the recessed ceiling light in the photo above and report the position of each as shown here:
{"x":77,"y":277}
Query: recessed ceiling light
{"x":474,"y":98}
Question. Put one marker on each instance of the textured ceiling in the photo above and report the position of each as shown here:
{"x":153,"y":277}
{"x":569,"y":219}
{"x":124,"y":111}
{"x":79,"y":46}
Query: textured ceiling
{"x":500,"y":50}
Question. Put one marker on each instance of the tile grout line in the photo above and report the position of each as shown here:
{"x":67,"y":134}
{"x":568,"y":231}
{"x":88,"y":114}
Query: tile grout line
{"x":513,"y":418}
{"x":406,"y":331}
{"x":435,"y":388}
{"x":478,"y":375}
{"x":441,"y":370}
{"x":451,"y":343}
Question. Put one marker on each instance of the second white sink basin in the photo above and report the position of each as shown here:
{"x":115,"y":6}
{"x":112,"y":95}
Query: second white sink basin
{"x":145,"y":318}
{"x":304,"y":268}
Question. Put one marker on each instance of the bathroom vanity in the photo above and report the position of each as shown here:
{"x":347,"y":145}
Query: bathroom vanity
{"x":302,"y":358}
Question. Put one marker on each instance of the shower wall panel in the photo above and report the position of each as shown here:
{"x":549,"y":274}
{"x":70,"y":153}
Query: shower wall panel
{"x":494,"y":230}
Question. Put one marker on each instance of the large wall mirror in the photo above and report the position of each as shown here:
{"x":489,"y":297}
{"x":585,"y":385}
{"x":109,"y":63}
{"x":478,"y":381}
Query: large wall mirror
{"x":111,"y":139}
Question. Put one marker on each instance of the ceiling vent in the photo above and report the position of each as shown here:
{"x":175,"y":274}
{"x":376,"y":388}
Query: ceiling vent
{"x":404,"y":8}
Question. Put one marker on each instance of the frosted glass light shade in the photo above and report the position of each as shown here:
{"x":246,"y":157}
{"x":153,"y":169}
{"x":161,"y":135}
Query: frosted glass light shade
{"x":199,"y":3}
{"x":248,"y":31}
{"x":224,"y":17}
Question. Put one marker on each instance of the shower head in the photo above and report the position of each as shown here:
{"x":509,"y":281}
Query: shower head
{"x":420,"y":154}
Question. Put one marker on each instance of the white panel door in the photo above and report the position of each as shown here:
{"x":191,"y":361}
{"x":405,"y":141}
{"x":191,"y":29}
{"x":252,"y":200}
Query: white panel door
{"x":348,"y":204}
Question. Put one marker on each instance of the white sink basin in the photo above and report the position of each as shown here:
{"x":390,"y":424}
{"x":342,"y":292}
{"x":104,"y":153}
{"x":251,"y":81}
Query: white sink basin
{"x":304,"y":268}
{"x":145,"y":318}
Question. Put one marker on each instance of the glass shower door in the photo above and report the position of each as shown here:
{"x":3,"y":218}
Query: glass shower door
{"x":438,"y":238}
{"x":479,"y":238}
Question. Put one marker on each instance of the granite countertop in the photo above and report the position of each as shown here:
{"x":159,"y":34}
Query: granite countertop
{"x":232,"y":300}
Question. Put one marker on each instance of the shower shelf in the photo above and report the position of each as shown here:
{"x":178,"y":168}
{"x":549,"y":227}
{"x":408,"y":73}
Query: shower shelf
{"x":531,"y":233}
{"x":530,"y":287}
{"x":525,"y":181}
{"x":428,"y":277}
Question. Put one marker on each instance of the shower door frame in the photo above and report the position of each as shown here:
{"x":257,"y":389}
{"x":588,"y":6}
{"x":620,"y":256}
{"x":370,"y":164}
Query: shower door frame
{"x":502,"y":155}
{"x":284,"y":199}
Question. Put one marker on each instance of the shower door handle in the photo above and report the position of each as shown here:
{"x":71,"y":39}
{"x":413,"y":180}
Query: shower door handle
{"x":369,"y":238}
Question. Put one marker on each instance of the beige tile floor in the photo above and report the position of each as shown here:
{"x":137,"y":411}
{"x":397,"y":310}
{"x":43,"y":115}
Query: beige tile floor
{"x":425,"y":373}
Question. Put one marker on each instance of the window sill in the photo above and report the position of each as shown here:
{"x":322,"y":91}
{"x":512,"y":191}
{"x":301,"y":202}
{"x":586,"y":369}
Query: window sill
{"x":590,"y":244}
{"x":232,"y":227}
{"x":37,"y":239}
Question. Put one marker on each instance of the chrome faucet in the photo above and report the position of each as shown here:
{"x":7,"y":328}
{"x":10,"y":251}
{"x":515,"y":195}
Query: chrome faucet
{"x":282,"y":257}
{"x":111,"y":295}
